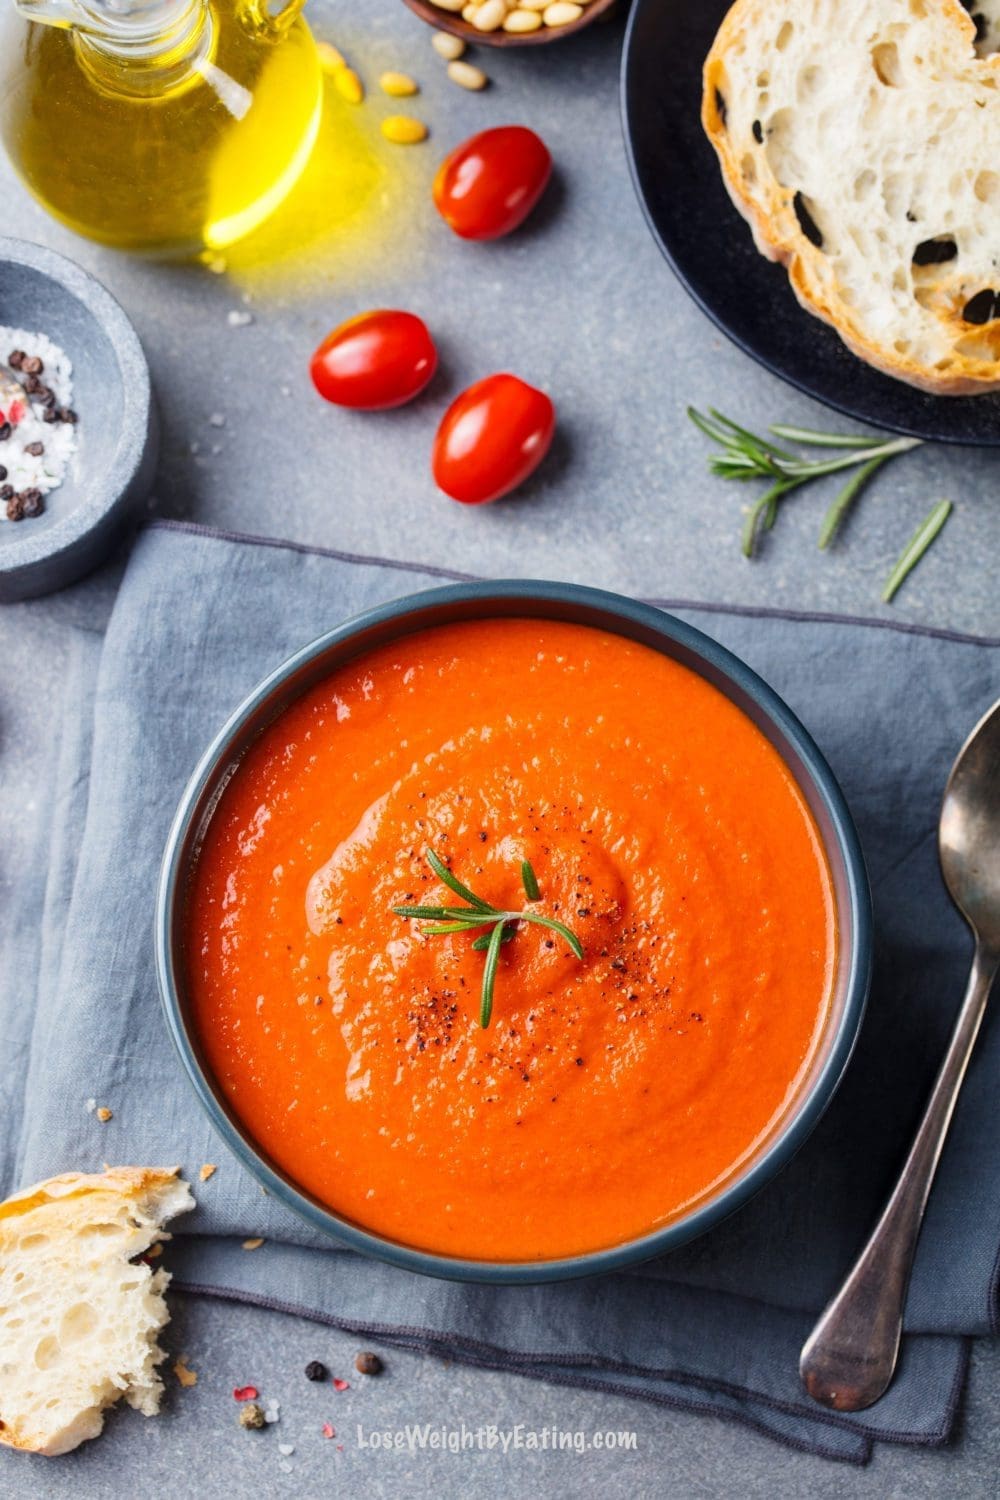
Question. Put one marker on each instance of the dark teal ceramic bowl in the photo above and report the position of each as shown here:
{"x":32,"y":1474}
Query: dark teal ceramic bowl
{"x":556,"y":601}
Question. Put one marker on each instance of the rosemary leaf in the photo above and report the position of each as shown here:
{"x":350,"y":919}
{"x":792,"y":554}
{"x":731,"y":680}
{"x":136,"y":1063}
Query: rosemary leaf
{"x":483,"y":941}
{"x":764,"y":513}
{"x":435,"y":929}
{"x":442,"y":871}
{"x":571,"y":938}
{"x":530,"y":881}
{"x":490,"y":974}
{"x":838,"y":510}
{"x":442,"y":913}
{"x":915,"y":548}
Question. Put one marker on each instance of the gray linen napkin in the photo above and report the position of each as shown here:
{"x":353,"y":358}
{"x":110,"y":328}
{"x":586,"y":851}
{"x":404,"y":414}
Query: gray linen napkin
{"x":714,"y":1327}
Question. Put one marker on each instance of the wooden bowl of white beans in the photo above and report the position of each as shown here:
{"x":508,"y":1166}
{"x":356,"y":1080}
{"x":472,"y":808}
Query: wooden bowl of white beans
{"x":509,"y":23}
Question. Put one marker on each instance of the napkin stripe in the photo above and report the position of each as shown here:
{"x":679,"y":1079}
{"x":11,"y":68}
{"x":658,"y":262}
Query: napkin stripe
{"x":431,"y":570}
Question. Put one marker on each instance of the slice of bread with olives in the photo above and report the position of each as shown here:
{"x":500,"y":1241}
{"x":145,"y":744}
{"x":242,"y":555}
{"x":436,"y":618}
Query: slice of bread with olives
{"x":79,"y":1311}
{"x":861,"y":141}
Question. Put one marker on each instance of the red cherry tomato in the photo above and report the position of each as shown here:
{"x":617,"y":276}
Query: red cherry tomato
{"x":490,"y":184}
{"x":376,"y":360}
{"x":491,"y":438}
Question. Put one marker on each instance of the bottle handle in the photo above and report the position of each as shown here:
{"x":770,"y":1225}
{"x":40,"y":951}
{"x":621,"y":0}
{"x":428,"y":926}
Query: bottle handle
{"x":276,"y":16}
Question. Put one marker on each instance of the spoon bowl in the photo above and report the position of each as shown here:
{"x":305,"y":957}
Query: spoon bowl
{"x":969,"y":834}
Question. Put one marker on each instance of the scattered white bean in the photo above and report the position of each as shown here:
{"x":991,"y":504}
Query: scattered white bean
{"x":447,"y":46}
{"x":467,"y":76}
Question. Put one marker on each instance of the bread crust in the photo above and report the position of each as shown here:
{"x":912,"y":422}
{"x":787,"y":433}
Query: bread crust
{"x":779,"y":236}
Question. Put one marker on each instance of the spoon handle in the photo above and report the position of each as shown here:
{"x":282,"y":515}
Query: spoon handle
{"x":848,"y":1360}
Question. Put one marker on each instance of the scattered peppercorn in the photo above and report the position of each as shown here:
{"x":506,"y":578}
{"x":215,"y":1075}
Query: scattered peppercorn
{"x":35,"y":449}
{"x":5,"y":431}
{"x":32,"y":365}
{"x":32,"y":502}
{"x":16,"y":359}
{"x":579,"y":1062}
{"x":368,"y":1363}
{"x":67,"y":414}
{"x":15,"y":506}
{"x":3,"y":472}
{"x":51,"y":415}
{"x":316,"y":1370}
{"x":251,"y":1415}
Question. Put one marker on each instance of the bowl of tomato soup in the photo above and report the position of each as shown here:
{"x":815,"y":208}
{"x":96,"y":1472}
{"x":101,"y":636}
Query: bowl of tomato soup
{"x":513,"y":931}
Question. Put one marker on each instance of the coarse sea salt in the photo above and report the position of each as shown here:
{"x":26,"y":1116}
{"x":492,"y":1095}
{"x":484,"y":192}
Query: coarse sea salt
{"x":47,"y":470}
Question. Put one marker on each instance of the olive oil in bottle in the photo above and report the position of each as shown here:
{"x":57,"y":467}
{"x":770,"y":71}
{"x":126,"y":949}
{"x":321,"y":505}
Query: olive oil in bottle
{"x":165,"y":126}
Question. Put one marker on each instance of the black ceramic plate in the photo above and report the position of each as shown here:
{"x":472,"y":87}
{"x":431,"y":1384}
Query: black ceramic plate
{"x":710,"y":247}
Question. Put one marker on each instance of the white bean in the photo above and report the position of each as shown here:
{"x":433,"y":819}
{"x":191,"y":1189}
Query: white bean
{"x":522,"y":21}
{"x":489,"y":15}
{"x":447,"y":46}
{"x":467,"y":76}
{"x":561,"y":13}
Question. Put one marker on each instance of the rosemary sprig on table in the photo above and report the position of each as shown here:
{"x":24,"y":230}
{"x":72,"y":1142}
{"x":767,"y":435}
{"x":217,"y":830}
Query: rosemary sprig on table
{"x":479,"y":913}
{"x":745,"y":455}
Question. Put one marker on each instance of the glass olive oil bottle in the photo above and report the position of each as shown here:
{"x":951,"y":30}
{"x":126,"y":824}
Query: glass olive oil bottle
{"x":165,"y":126}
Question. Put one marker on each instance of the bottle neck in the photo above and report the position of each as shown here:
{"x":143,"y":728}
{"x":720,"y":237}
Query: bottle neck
{"x":145,"y":49}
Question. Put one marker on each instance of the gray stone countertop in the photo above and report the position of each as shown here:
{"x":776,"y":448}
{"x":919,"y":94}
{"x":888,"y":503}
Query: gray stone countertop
{"x":581,"y":303}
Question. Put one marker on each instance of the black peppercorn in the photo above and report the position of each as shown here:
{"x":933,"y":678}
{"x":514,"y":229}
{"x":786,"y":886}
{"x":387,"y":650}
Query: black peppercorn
{"x":367,"y":1363}
{"x":316,"y":1370}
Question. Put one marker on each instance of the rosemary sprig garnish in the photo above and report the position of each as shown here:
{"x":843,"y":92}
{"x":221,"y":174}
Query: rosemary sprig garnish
{"x":745,"y":455}
{"x":478,"y":913}
{"x":917,"y":546}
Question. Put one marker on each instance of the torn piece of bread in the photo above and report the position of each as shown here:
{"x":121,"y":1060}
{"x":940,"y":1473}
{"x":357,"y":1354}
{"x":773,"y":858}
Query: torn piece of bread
{"x":861,"y":140}
{"x":78,"y":1318}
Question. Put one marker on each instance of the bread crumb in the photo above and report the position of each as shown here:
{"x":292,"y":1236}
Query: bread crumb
{"x":104,"y":1114}
{"x":207,"y":1171}
{"x":252,"y":1244}
{"x":184,"y":1375}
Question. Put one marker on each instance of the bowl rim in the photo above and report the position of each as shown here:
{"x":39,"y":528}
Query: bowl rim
{"x":22,"y":554}
{"x":518,"y":598}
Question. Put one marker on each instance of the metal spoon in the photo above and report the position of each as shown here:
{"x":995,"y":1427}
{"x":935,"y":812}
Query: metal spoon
{"x":849,"y":1359}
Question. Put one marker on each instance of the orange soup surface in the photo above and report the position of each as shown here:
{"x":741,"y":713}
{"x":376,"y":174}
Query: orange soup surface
{"x":607,"y":1096}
